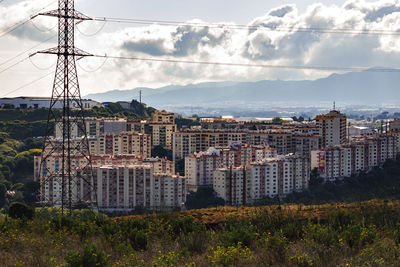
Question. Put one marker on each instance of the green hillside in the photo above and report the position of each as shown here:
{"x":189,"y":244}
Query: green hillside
{"x":360,"y":234}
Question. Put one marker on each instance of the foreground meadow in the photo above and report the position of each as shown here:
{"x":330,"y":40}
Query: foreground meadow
{"x":358,"y":234}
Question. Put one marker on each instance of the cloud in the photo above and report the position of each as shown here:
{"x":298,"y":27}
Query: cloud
{"x":37,"y":29}
{"x":283,"y":36}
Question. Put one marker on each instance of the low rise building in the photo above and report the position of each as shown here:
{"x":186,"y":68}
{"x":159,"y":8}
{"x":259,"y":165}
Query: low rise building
{"x":24,"y":102}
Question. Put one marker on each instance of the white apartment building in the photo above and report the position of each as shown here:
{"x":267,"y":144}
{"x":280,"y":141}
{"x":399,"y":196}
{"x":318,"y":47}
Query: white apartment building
{"x":159,"y":171}
{"x":362,"y":155}
{"x":271,"y":177}
{"x":53,"y":163}
{"x":126,"y":187}
{"x":332,"y":128}
{"x":124,"y":143}
{"x":200,"y":167}
{"x":94,"y":127}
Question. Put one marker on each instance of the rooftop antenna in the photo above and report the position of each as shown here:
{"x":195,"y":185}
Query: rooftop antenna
{"x":334,"y":105}
{"x":140,"y":96}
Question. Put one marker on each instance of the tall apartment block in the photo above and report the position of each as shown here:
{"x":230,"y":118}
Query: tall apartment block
{"x":332,"y":128}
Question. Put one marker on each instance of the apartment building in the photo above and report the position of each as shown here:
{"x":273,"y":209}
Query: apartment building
{"x":189,"y":142}
{"x":332,"y":128}
{"x":270,"y":177}
{"x":161,"y":132}
{"x":364,"y":154}
{"x":53,"y":163}
{"x":305,"y":143}
{"x":99,"y":126}
{"x":126,"y":187}
{"x":163,"y":117}
{"x":94,"y":127}
{"x":281,"y":140}
{"x":124,"y":143}
{"x":200,"y":167}
{"x":119,"y":181}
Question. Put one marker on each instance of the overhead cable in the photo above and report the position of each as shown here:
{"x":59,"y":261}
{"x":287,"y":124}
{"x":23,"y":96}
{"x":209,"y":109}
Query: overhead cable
{"x":271,"y":66}
{"x":250,"y":27}
{"x":33,"y":47}
{"x":25,"y":85}
{"x":23,"y":22}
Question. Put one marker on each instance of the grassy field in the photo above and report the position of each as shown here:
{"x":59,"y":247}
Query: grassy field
{"x":358,"y":234}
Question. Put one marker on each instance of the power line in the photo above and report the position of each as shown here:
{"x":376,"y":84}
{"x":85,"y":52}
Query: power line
{"x":92,"y":34}
{"x":23,"y":22}
{"x":320,"y":68}
{"x":13,"y":65}
{"x":25,"y":85}
{"x":33,"y":47}
{"x":247,"y":27}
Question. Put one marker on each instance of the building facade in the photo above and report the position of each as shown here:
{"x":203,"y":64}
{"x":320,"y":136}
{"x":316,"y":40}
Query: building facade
{"x":271,"y":177}
{"x":332,"y":128}
{"x":24,"y":102}
{"x":342,"y":161}
{"x":200,"y":167}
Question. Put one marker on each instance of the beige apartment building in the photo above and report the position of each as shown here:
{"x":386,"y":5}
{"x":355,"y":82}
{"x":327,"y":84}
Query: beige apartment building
{"x":161,"y":176}
{"x":127,"y":187}
{"x":332,"y":128}
{"x":342,"y":161}
{"x":161,"y":132}
{"x":270,"y":177}
{"x":200,"y":167}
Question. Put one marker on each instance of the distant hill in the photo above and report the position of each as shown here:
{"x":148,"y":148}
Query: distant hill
{"x":366,"y":88}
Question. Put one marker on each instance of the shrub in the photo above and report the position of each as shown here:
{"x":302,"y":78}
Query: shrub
{"x":230,"y":256}
{"x":352,"y":235}
{"x":90,"y":257}
{"x":195,"y":242}
{"x":236,"y":232}
{"x":19,"y":210}
{"x":182,"y":225}
{"x":321,"y":234}
{"x":138,"y":239}
{"x":277,"y":242}
{"x":170,"y":259}
{"x":301,"y":260}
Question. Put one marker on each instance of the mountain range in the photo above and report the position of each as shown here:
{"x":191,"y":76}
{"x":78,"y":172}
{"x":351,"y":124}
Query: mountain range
{"x":371,"y":87}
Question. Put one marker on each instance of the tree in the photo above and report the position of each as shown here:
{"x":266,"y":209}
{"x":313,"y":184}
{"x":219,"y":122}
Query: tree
{"x":159,"y":151}
{"x":30,"y":191}
{"x":205,"y":197}
{"x":277,"y":120}
{"x":3,"y":192}
{"x":20,"y":210}
{"x":180,"y":166}
{"x":115,"y":107}
{"x":8,"y":106}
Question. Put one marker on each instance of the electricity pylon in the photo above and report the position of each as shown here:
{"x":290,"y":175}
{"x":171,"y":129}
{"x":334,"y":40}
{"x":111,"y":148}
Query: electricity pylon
{"x":66,"y":175}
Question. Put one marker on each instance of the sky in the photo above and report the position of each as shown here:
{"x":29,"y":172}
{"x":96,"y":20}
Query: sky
{"x":257,"y":44}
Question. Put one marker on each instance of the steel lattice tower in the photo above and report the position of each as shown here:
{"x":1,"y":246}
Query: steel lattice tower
{"x":66,"y":177}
